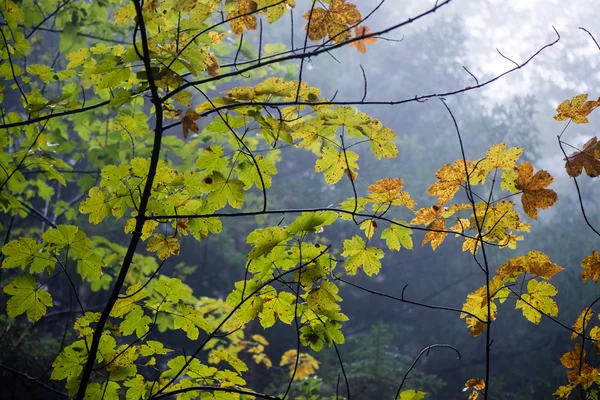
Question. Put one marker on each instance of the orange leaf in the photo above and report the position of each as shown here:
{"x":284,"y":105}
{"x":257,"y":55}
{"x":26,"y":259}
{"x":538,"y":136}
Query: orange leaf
{"x":361,"y":44}
{"x":585,"y":159}
{"x":390,"y":191}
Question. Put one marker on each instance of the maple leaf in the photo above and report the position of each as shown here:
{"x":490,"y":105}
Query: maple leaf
{"x":451,"y":177}
{"x":188,"y":123}
{"x":477,"y":305}
{"x":579,"y":324}
{"x":305,"y":366}
{"x":390,"y":191}
{"x":586,"y":159}
{"x":26,"y":296}
{"x":265,"y":240}
{"x":497,"y":157}
{"x":369,"y":226}
{"x":211,"y":64}
{"x":498,"y":219}
{"x":533,"y":186}
{"x":436,"y":238}
{"x":539,"y":296}
{"x":397,"y":235}
{"x":333,"y":164}
{"x":242,"y":18}
{"x":411,"y":395}
{"x":577,"y":109}
{"x":361,"y":44}
{"x":535,"y":262}
{"x":96,"y":205}
{"x":332,"y":22}
{"x":163,"y":246}
{"x":359,"y":255}
{"x":590,"y":265}
{"x":381,"y":140}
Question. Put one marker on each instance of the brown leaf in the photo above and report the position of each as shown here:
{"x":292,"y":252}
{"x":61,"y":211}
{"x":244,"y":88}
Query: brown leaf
{"x":189,"y":123}
{"x":585,"y":159}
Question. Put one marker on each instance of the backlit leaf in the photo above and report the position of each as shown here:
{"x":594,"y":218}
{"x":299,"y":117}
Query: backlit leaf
{"x":577,"y":109}
{"x":539,"y":296}
{"x":396,"y":236}
{"x":361,"y":45}
{"x":590,"y":265}
{"x":27,"y":297}
{"x":163,"y":246}
{"x":587,"y":158}
{"x":361,"y":256}
{"x":533,"y":186}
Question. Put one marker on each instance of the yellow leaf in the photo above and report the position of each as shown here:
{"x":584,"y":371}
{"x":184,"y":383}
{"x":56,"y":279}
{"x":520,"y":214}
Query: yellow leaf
{"x":333,"y":22}
{"x":450,"y":179}
{"x":163,"y":246}
{"x":577,"y":109}
{"x":436,"y":238}
{"x":307,"y":364}
{"x":580,"y":324}
{"x":533,"y":186}
{"x":477,"y":384}
{"x":539,"y":297}
{"x":240,"y":23}
{"x":497,"y":157}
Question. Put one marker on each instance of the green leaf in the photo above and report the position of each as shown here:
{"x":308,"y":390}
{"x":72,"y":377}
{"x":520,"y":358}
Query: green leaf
{"x":396,"y":236}
{"x":136,"y":321}
{"x":223,"y":191}
{"x":265,"y":240}
{"x":27,"y":297}
{"x":333,"y":164}
{"x":235,"y":362}
{"x":89,"y":266}
{"x":411,"y":395}
{"x":311,"y":222}
{"x":69,"y":363}
{"x":20,"y":253}
{"x":189,"y":319}
{"x":61,"y":236}
{"x":211,"y":160}
{"x":152,"y":347}
{"x":277,"y":305}
{"x":361,"y":256}
{"x":96,"y":205}
{"x":137,"y":387}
